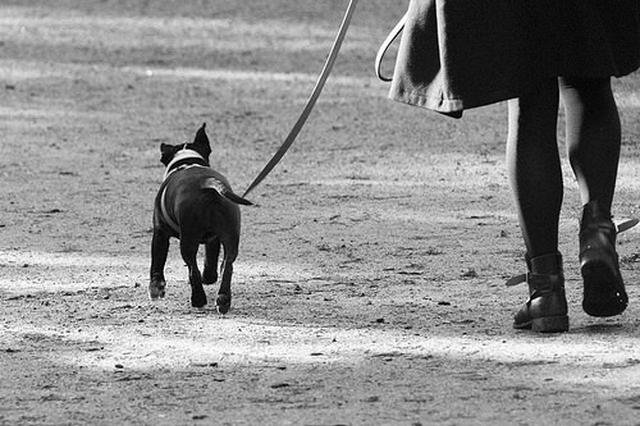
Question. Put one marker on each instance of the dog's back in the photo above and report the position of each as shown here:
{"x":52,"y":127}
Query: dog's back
{"x":199,"y":201}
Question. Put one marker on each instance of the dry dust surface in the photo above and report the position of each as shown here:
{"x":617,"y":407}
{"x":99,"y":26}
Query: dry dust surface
{"x":369,"y":288}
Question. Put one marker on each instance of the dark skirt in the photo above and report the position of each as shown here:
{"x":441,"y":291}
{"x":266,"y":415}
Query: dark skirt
{"x":461,"y":54}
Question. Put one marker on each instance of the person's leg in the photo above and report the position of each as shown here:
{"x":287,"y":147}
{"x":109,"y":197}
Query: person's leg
{"x":593,"y":143}
{"x":533,"y":162}
{"x":593,"y":137}
{"x":536,"y":178}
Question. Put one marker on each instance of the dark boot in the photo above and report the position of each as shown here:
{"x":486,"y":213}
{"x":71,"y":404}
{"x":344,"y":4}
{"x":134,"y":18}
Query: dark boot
{"x":546,"y":309}
{"x":604,"y":293}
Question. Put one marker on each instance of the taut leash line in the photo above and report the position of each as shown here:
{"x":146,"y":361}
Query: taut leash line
{"x":324,"y":74}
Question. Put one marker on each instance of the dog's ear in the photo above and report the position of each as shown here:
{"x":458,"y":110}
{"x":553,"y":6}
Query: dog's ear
{"x":202,"y":141}
{"x":167,"y":152}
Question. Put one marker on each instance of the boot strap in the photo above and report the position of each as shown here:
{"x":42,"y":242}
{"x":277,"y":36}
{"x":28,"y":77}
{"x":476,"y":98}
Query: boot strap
{"x":626,"y":225}
{"x":609,"y":227}
{"x":539,"y":284}
{"x":618,"y":228}
{"x":518,"y":279}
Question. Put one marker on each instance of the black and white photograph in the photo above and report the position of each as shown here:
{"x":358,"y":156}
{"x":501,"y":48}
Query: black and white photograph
{"x":319,"y":212}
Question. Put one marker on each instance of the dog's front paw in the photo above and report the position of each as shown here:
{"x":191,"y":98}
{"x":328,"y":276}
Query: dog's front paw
{"x":198,"y":299}
{"x":223,"y":303}
{"x":156,"y":289}
{"x":209,"y":276}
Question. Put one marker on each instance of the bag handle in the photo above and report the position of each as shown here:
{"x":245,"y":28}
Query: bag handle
{"x":395,"y":32}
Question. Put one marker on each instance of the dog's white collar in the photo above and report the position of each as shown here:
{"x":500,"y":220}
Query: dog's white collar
{"x":179,"y":156}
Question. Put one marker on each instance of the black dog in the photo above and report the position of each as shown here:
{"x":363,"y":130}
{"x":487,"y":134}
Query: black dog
{"x":195,"y":204}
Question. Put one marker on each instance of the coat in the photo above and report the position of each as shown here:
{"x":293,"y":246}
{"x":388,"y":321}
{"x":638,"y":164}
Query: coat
{"x":460,"y":54}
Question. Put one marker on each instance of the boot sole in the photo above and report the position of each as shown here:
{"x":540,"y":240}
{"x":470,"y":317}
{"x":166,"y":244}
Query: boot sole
{"x":604,"y":293}
{"x":556,"y":324}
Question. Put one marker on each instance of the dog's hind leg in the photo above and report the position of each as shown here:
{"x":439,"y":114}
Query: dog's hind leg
{"x":159,"y":250}
{"x":224,"y":293}
{"x":189,"y":251}
{"x":212,"y":251}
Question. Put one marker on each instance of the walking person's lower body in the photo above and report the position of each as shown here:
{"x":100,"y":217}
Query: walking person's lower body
{"x":457,"y":55}
{"x":593,"y":144}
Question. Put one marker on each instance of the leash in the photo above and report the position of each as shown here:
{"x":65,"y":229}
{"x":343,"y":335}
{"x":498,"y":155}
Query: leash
{"x":395,"y":32}
{"x":324,"y":74}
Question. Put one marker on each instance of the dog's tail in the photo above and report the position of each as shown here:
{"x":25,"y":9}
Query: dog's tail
{"x":224,"y":190}
{"x":236,"y":198}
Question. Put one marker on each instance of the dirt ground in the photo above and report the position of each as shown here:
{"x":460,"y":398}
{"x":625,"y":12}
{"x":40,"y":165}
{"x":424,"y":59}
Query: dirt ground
{"x":369,"y":288}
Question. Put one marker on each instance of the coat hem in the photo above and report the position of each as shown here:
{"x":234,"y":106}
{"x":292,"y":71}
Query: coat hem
{"x":450,"y":107}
